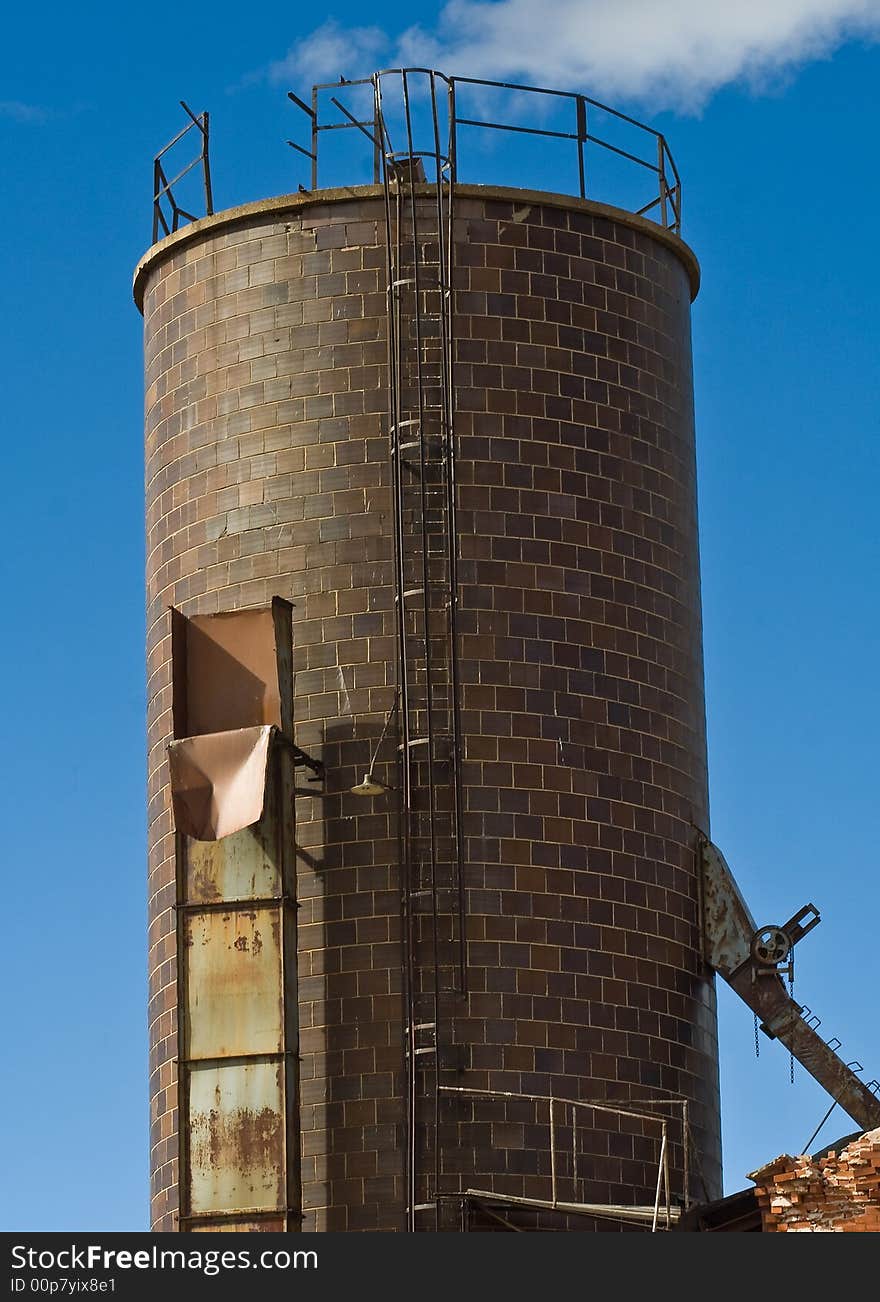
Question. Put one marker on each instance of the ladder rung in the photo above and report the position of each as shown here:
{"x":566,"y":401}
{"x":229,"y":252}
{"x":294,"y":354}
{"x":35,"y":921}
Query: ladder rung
{"x":433,"y":287}
{"x":414,"y":443}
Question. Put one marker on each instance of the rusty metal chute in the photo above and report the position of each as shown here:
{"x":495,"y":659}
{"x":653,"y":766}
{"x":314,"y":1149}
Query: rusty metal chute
{"x":752,"y":961}
{"x":232,"y":766}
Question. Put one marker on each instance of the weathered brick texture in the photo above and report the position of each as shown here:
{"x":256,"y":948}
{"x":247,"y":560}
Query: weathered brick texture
{"x":267,"y":473}
{"x":835,"y":1194}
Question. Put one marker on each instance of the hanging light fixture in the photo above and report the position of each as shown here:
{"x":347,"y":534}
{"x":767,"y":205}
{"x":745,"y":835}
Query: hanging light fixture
{"x":369,"y":784}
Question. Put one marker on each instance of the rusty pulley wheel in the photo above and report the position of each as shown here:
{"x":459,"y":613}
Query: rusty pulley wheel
{"x":770,"y":946}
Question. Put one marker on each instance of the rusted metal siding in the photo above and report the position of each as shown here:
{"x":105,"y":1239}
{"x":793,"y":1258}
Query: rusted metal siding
{"x":236,"y":1137}
{"x":239,"y":1019}
{"x":232,"y":995}
{"x":243,"y":866}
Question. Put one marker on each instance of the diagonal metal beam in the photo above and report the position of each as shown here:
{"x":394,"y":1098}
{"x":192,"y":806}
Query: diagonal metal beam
{"x":728,"y":932}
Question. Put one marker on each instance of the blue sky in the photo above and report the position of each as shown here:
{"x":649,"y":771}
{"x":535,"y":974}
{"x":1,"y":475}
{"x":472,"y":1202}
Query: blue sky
{"x":772,"y":121}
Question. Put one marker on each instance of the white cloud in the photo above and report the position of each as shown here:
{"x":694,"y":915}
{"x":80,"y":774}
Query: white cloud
{"x":675,"y":52}
{"x":331,"y":52}
{"x":18,"y":111}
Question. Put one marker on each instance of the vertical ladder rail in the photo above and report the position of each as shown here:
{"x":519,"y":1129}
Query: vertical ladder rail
{"x":392,"y":220}
{"x":426,"y":629}
{"x":445,"y":259}
{"x":421,"y":410}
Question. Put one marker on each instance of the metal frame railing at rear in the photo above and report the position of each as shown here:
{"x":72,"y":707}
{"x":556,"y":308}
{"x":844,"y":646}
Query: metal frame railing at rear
{"x":163,"y":193}
{"x":562,"y":1114}
{"x":662,"y":205}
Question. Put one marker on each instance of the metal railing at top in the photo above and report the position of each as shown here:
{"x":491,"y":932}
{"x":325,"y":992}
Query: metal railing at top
{"x":166,"y":210}
{"x":662,"y":197}
{"x":579,"y":122}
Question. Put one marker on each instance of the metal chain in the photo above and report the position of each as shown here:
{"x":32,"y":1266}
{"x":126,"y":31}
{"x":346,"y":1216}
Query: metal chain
{"x":757,"y":1041}
{"x":791,"y":995}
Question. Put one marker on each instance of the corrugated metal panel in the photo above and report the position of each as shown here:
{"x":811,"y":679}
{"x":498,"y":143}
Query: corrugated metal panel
{"x":236,"y":1137}
{"x":233,"y":995}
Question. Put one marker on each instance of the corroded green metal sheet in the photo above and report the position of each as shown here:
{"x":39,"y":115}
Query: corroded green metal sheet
{"x":236,"y":1137}
{"x":234,"y":1003}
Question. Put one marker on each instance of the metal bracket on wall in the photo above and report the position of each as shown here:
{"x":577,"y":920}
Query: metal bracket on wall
{"x":301,"y":759}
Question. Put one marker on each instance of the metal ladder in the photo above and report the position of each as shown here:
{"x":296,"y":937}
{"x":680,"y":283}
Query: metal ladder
{"x":422,"y":451}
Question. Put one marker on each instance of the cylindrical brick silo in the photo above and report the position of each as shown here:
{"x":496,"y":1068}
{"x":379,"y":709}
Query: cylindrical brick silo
{"x":581,"y":775}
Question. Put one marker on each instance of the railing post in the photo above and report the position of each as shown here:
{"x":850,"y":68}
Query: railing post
{"x":377,"y":143}
{"x":156,"y":170}
{"x":574,"y":1132}
{"x":552,"y":1154}
{"x":206,"y":161}
{"x":666,"y":1177}
{"x":314,"y":138}
{"x":581,"y":138}
{"x":453,"y":134}
{"x":661,"y":174}
{"x":660,"y":1166}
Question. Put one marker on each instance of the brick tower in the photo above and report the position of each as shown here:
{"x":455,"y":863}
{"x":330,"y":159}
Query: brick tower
{"x":452,"y":425}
